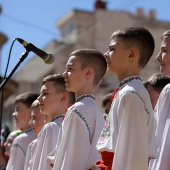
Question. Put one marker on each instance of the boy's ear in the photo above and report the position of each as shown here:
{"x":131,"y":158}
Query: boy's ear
{"x":89,"y":72}
{"x":133,"y":54}
{"x":64,"y":97}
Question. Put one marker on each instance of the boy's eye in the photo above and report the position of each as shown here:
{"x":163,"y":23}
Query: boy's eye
{"x":111,"y":49}
{"x":69,"y":69}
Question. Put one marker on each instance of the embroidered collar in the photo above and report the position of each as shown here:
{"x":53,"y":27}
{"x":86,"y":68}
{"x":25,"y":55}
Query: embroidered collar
{"x":126,"y":80}
{"x":28,"y":130}
{"x":129,"y":79}
{"x":58,"y":117}
{"x":84,"y":96}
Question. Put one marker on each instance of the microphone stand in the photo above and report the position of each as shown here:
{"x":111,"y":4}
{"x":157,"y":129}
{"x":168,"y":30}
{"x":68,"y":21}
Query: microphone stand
{"x":21,"y":59}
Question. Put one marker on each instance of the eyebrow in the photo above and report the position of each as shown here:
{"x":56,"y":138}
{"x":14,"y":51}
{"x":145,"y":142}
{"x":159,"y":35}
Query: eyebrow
{"x":43,"y":90}
{"x":70,"y":64}
{"x":112,"y":45}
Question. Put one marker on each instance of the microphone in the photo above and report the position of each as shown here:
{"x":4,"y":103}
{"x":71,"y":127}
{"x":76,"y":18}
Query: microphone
{"x":47,"y":57}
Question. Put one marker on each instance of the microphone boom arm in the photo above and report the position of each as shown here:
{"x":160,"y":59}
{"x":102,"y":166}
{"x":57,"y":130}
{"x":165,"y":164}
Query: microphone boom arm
{"x":21,"y":59}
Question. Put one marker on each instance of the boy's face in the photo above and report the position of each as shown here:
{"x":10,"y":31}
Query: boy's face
{"x":50,"y":100}
{"x":37,"y":120}
{"x":74,"y":76}
{"x":117,"y":57}
{"x":8,"y":143}
{"x":164,"y":56}
{"x":21,"y":116}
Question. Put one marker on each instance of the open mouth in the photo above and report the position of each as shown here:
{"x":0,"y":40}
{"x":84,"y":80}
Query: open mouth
{"x":66,"y":83}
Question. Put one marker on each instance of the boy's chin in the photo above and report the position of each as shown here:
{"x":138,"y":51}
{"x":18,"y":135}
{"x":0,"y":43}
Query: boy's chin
{"x":69,"y":89}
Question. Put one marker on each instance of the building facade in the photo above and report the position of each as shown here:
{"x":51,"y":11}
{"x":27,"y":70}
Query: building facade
{"x":84,"y":29}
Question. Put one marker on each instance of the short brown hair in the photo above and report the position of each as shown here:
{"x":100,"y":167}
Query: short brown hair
{"x":158,"y":81}
{"x":59,"y":83}
{"x":26,"y":98}
{"x":92,"y":58}
{"x":166,"y":34}
{"x":140,"y":38}
{"x":35,"y":104}
{"x":107,"y":99}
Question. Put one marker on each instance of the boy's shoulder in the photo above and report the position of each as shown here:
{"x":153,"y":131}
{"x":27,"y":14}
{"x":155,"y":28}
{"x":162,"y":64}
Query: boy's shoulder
{"x":166,"y":89}
{"x":164,"y":96}
{"x":27,"y":134}
{"x":133,"y":87}
{"x":49,"y":126}
{"x":84,"y":108}
{"x":135,"y":91}
{"x":24,"y":139}
{"x":83,"y":105}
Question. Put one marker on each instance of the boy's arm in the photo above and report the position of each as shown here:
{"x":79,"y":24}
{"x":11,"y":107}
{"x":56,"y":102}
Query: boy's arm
{"x":162,"y":161}
{"x":30,"y":150}
{"x":74,"y":148}
{"x":46,"y":142}
{"x":162,"y":113}
{"x":131,"y":151}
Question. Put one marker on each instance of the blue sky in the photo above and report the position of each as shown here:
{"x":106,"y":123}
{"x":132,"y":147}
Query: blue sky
{"x":35,"y":20}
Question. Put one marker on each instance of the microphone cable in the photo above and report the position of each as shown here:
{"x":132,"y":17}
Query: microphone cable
{"x":2,"y":92}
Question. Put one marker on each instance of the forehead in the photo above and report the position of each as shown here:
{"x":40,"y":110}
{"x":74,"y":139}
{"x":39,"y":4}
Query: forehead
{"x":20,"y":104}
{"x":165,"y":42}
{"x":48,"y":85}
{"x":73,"y":60}
{"x":116,"y":42}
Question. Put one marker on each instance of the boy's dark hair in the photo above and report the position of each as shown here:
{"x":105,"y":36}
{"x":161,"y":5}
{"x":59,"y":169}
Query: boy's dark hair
{"x":157,"y":81}
{"x":92,"y":58}
{"x":106,"y":99}
{"x":140,"y":38}
{"x":35,"y":104}
{"x":166,"y":34}
{"x":59,"y":83}
{"x":26,"y":98}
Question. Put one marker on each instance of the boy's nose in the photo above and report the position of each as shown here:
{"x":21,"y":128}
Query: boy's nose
{"x":64,"y":74}
{"x":158,"y":57}
{"x":106,"y":54}
{"x":30,"y":122}
{"x":39,"y":98}
{"x":14,"y":114}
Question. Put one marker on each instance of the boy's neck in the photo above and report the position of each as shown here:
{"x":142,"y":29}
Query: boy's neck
{"x":126,"y":75}
{"x":87,"y":91}
{"x":25,"y":128}
{"x":54,"y":116}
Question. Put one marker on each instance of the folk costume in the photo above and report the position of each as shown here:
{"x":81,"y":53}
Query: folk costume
{"x":46,"y":143}
{"x":19,"y":149}
{"x":80,"y":131}
{"x":127,"y":140}
{"x":162,"y":123}
{"x":30,"y":151}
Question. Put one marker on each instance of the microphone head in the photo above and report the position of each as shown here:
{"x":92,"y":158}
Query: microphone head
{"x":49,"y":59}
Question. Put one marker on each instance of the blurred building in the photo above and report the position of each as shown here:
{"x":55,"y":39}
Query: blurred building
{"x":84,"y":29}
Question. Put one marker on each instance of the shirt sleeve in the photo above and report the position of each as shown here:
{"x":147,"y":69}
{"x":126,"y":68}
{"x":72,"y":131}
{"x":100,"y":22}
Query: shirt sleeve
{"x":131,"y":150}
{"x":164,"y":153}
{"x":46,"y":142}
{"x":28,"y":156}
{"x":74,"y":148}
{"x":162,"y":113}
